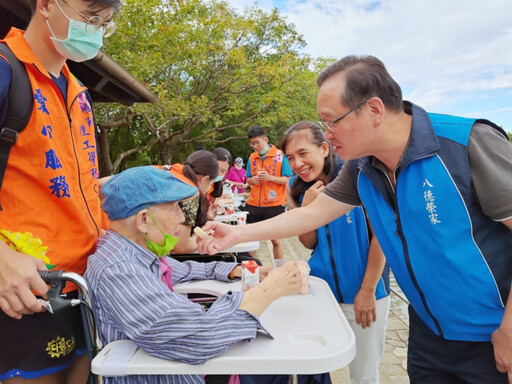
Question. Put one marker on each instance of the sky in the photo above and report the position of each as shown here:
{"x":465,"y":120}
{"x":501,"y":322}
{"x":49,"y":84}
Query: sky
{"x":449,"y":56}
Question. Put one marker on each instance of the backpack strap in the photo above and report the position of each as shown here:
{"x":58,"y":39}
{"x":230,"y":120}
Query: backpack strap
{"x":19,"y":107}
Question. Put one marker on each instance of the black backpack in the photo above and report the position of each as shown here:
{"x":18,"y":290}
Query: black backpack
{"x":19,"y":107}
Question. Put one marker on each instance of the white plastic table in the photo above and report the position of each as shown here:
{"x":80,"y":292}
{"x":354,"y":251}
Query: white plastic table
{"x":244,"y":247}
{"x":231,"y":218}
{"x":311,"y":335}
{"x":241,"y":247}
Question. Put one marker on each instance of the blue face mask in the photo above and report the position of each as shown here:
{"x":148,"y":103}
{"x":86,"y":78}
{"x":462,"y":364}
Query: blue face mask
{"x":169,"y":241}
{"x":79,"y":45}
{"x":265,"y":150}
{"x":218,"y":178}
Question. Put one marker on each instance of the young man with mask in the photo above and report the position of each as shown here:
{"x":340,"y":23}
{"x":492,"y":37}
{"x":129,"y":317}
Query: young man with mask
{"x":268,"y":172}
{"x":50,"y":188}
{"x":131,"y":280}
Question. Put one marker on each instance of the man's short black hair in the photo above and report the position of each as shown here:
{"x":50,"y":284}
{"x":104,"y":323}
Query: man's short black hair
{"x":256,"y":131}
{"x":101,"y":4}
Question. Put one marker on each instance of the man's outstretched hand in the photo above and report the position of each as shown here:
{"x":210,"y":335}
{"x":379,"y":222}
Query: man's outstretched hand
{"x":219,"y":237}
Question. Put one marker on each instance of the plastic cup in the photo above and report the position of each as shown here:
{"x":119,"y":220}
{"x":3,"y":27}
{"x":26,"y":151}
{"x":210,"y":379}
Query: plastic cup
{"x":304,"y":273}
{"x":276,"y":263}
{"x":241,"y":218}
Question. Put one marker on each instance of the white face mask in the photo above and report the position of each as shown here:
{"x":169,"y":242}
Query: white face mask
{"x":79,"y":45}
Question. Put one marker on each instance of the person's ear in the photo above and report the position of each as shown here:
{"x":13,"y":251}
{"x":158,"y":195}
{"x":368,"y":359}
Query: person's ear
{"x":203,"y":182}
{"x":142,"y":220}
{"x":325,"y":149}
{"x":205,"y":179}
{"x":42,"y":8}
{"x":377,"y":109}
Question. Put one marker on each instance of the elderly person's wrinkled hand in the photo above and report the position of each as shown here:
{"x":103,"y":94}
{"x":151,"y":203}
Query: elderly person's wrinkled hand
{"x":284,"y":280}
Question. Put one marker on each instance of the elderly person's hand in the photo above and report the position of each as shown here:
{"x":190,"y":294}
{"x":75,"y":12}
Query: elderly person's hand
{"x":282,"y":281}
{"x":264,"y":270}
{"x":285,"y":280}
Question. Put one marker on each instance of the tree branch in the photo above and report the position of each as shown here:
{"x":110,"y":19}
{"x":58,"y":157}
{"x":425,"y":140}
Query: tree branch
{"x":121,"y":156}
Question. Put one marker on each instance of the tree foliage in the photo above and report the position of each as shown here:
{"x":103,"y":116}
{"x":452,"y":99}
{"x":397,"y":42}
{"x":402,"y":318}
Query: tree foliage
{"x":215,"y":71}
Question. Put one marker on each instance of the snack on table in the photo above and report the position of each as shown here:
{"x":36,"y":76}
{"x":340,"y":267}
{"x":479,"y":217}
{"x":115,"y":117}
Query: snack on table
{"x":199,"y":232}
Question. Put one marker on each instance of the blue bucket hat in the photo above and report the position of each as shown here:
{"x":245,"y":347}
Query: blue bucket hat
{"x":137,"y":188}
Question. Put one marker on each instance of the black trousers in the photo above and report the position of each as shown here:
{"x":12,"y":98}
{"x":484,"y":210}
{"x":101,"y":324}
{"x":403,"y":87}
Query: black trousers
{"x":434,"y":360}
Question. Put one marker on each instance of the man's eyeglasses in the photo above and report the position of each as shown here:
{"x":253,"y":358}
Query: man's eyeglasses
{"x":255,"y":143}
{"x":94,"y":23}
{"x":329,"y":125}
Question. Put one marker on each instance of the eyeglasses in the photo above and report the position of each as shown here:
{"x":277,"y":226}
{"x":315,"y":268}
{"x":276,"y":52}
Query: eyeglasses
{"x":255,"y":143}
{"x":328,"y":125}
{"x":94,"y":23}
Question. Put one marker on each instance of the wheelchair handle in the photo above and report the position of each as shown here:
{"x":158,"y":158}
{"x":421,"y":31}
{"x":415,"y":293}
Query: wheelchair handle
{"x":51,"y":276}
{"x":57,"y":281}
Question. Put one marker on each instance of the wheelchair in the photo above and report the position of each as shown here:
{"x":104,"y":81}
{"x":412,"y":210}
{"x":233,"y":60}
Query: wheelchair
{"x":57,"y":280}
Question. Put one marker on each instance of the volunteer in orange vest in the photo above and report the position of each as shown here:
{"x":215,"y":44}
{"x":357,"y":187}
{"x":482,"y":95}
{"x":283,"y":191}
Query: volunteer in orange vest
{"x":268,"y":172}
{"x":200,"y":170}
{"x":50,"y":190}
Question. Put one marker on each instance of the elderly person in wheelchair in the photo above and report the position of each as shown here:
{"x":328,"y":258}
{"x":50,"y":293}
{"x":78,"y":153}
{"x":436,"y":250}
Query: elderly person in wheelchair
{"x":131,"y":278}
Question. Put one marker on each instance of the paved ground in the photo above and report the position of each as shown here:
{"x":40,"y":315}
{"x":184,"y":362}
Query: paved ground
{"x":394,"y":363}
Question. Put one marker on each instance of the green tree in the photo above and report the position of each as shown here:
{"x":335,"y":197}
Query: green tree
{"x":216,"y":72}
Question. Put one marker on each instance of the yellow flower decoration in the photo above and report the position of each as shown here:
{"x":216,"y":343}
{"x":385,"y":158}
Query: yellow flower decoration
{"x":26,"y":243}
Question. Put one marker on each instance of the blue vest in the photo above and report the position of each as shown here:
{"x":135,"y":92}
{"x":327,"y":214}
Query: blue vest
{"x":341,"y":254}
{"x":453,"y":262}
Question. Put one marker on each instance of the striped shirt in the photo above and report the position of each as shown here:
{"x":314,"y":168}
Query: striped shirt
{"x":130,"y":301}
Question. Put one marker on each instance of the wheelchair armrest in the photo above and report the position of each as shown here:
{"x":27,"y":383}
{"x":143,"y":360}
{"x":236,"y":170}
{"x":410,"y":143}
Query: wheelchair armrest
{"x":227,"y":257}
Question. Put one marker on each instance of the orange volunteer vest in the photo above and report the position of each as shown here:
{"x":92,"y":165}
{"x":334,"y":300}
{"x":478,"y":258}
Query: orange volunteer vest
{"x":267,"y":193}
{"x":51,"y":181}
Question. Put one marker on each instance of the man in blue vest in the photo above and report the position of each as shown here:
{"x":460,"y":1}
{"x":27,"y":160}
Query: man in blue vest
{"x":437,"y":190}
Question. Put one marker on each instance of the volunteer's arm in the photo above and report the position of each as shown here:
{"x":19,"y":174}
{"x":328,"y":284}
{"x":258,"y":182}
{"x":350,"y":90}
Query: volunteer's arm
{"x":282,"y":179}
{"x":321,"y":211}
{"x":502,"y":340}
{"x":18,"y":273}
{"x":365,"y":304}
{"x":265,"y":176}
{"x":508,"y":222}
